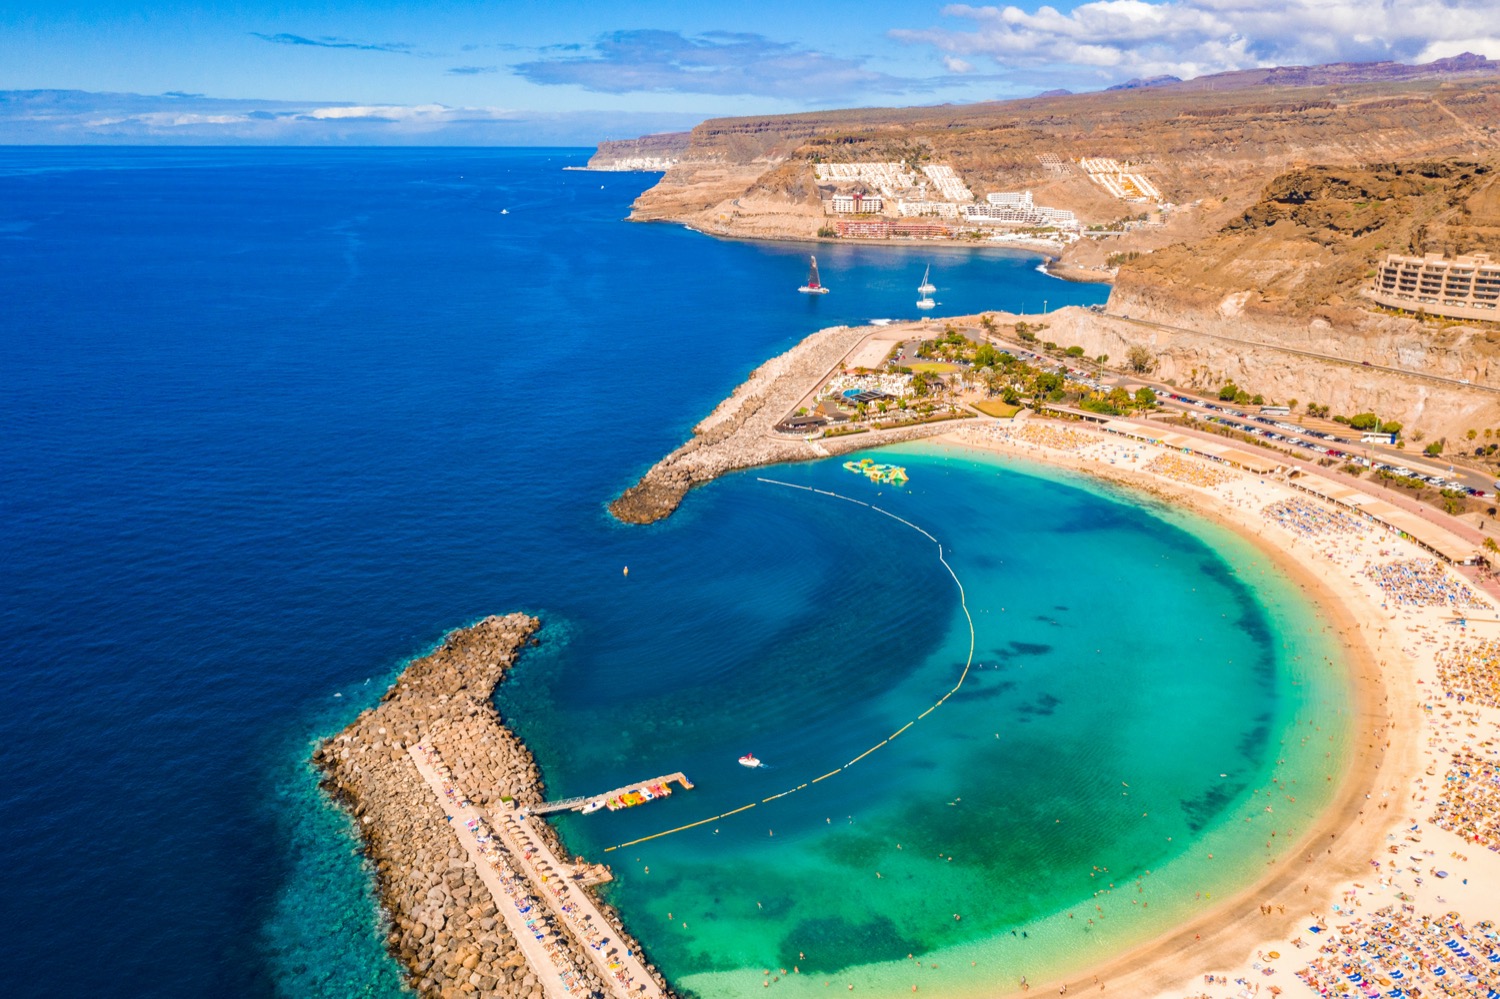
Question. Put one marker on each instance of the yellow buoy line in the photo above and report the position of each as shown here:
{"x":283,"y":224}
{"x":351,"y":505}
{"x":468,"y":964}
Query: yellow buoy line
{"x":968,"y":664}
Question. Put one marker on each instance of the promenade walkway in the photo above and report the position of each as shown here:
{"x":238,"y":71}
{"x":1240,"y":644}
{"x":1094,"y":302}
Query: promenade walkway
{"x":546,"y":881}
{"x":547,"y":967}
{"x":621,"y":967}
{"x":1301,"y":352}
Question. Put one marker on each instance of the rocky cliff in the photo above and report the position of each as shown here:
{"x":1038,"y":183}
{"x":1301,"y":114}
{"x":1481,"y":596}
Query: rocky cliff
{"x":1290,"y":185}
{"x":1307,"y":246}
{"x":649,"y":152}
{"x":1213,"y":142}
{"x":1316,"y":362}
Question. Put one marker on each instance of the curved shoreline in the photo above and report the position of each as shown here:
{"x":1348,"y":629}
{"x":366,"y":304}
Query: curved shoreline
{"x":1212,"y":939}
{"x":1337,"y":845}
{"x":1381,"y":675}
{"x":1053,"y":264}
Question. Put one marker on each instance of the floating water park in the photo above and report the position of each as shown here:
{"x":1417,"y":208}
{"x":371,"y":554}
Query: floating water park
{"x":893,"y":475}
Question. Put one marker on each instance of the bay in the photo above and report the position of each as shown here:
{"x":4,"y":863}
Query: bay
{"x":277,"y":419}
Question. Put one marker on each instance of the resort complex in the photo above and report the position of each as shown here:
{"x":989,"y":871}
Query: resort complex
{"x":1465,"y":287}
{"x":1123,"y":180}
{"x":1016,"y":208}
{"x":936,"y":192}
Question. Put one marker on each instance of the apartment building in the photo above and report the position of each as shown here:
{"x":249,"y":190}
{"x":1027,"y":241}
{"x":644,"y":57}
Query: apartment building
{"x":1465,"y":287}
{"x":857,"y":204}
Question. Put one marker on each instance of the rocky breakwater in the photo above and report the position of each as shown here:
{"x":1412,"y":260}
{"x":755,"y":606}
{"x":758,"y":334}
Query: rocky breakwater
{"x":444,"y":923}
{"x":740,"y":432}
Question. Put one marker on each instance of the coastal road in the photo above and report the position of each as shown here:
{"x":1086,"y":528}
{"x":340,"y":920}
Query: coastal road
{"x":1330,"y":358}
{"x":1480,"y":478}
{"x":541,"y":963}
{"x":1394,"y":497}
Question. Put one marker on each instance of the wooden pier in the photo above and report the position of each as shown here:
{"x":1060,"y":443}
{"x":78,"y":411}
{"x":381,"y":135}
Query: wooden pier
{"x":577,"y":804}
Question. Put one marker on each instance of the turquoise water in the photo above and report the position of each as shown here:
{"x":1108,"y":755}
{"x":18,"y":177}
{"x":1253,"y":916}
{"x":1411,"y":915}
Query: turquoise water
{"x":278,"y":419}
{"x":1141,"y":680}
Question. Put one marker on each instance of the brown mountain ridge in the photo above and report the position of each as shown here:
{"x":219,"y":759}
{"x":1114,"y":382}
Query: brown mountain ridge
{"x":1283,"y":188}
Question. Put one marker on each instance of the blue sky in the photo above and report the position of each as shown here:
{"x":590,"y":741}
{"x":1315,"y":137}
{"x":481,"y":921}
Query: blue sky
{"x":417,"y":68}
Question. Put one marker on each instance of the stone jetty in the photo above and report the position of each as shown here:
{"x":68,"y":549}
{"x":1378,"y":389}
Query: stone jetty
{"x":446,"y":923}
{"x":740,"y":432}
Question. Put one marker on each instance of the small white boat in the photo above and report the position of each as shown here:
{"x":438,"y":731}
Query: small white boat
{"x":749,"y":760}
{"x":593,"y":806}
{"x":813,"y":286}
{"x":927,"y":287}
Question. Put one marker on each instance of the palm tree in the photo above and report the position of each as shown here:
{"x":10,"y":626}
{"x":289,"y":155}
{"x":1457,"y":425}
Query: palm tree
{"x":1140,"y":359}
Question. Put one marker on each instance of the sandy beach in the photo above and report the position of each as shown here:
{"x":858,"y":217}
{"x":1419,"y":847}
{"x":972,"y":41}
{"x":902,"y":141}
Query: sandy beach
{"x":1377,"y":848}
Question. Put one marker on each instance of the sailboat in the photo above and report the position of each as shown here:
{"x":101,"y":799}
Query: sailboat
{"x":925,"y":289}
{"x":813,"y":286}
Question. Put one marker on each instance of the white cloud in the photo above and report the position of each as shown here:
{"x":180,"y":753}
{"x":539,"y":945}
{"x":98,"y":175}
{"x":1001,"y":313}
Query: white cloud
{"x":1446,"y":49}
{"x":164,"y":119}
{"x":956,"y":65}
{"x":71,"y":116}
{"x":1115,"y":39}
{"x":384,"y":112}
{"x":717,"y":62}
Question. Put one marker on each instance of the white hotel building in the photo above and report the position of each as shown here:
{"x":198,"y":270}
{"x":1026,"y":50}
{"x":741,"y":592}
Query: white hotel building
{"x":1016,"y":208}
{"x":1467,"y":287}
{"x":858,"y":204}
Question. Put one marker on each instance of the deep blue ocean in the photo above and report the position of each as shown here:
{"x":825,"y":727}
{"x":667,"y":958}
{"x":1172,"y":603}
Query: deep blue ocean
{"x":275,"y":420}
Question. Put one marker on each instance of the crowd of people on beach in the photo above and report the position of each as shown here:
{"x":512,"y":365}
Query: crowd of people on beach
{"x":1312,"y":520}
{"x":1471,"y":672}
{"x":1469,"y":802}
{"x":1037,"y":434}
{"x":1190,"y":470}
{"x":1396,"y":953}
{"x":1422,"y":582}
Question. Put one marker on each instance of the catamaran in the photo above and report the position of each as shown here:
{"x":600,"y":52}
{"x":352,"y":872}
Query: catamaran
{"x":925,"y":289}
{"x":813,"y":286}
